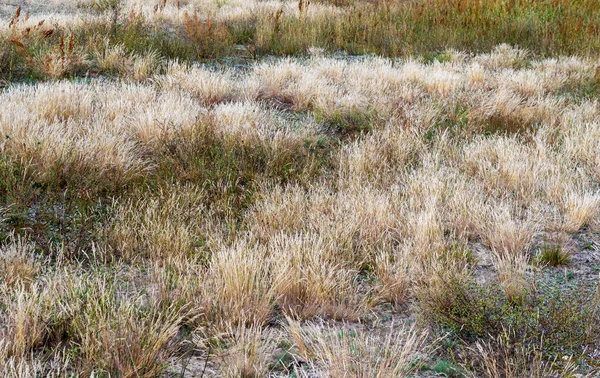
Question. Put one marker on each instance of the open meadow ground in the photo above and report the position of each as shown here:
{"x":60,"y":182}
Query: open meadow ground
{"x":344,"y":189}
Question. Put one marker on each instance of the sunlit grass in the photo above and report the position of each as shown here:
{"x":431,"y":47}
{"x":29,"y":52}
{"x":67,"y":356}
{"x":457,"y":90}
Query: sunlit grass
{"x":170,"y":200}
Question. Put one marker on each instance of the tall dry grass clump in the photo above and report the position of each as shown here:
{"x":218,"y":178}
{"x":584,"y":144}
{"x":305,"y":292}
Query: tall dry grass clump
{"x":356,"y":353}
{"x":311,"y":284}
{"x":242,"y":289}
{"x":167,"y":226}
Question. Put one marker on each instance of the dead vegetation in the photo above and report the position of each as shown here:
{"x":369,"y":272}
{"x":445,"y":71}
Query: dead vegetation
{"x":319,"y":216}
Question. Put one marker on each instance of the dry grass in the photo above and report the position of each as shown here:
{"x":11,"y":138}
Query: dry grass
{"x":202,"y":29}
{"x":346,"y":352}
{"x":311,"y":283}
{"x":168,"y":226}
{"x":105,"y":330}
{"x":242,"y":291}
{"x":240,"y":214}
{"x":502,"y":360}
{"x":18,"y":263}
{"x":249,"y":353}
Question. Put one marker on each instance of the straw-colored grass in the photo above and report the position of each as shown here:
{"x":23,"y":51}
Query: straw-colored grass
{"x":319,"y":215}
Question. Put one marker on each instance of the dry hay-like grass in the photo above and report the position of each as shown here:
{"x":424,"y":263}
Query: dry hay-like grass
{"x":186,"y":210}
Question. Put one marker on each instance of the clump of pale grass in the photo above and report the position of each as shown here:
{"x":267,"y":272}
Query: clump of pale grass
{"x":476,"y":75}
{"x":155,"y":119}
{"x":18,"y":263}
{"x":353,"y":220}
{"x":50,"y":102}
{"x":207,"y":86}
{"x":505,"y":166}
{"x":117,"y":333}
{"x":440,"y":266}
{"x":503,"y":56}
{"x":509,"y":239}
{"x":242,"y":285}
{"x":146,"y":65}
{"x":379,"y":157}
{"x":174,"y":282}
{"x":392,"y":268}
{"x":28,"y":314}
{"x":580,"y":208}
{"x":168,"y":225}
{"x":439,"y":274}
{"x":275,"y":79}
{"x":249,"y":351}
{"x":509,"y":232}
{"x":116,"y":59}
{"x":427,"y":229}
{"x":279,"y":209}
{"x":30,"y":366}
{"x":113,"y":58}
{"x":114,"y":331}
{"x":358,"y":219}
{"x":511,"y":270}
{"x":311,"y":282}
{"x":62,"y":139}
{"x":580,"y":139}
{"x":501,"y":358}
{"x":246,"y":123}
{"x":356,"y":353}
{"x":440,"y":82}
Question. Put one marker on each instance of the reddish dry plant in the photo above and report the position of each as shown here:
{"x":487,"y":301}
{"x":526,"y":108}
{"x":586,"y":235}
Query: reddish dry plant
{"x":61,"y":59}
{"x":276,"y":17}
{"x":16,"y":25}
{"x":21,"y":49}
{"x":207,"y":35}
{"x":303,"y":6}
{"x":15,"y":19}
{"x":160,"y":6}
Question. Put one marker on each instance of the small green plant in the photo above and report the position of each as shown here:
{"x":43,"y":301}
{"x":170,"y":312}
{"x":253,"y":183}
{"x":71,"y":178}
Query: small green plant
{"x":569,"y":275}
{"x":348,"y":121}
{"x":103,"y":5}
{"x":447,"y":369}
{"x":553,"y":255}
{"x":462,"y":308}
{"x":110,"y":7}
{"x":559,"y":319}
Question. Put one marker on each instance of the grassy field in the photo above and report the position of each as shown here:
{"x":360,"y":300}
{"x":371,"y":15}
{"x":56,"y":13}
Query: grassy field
{"x":344,"y":188}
